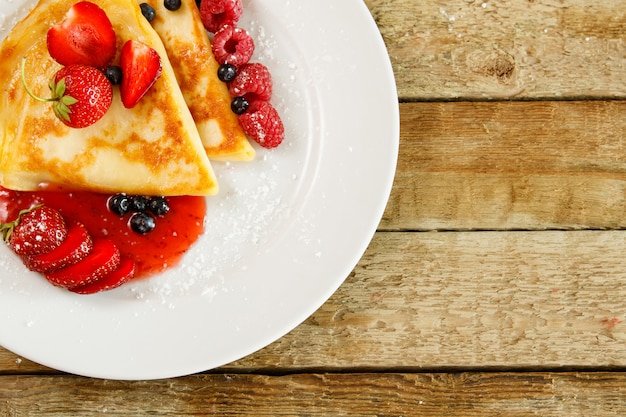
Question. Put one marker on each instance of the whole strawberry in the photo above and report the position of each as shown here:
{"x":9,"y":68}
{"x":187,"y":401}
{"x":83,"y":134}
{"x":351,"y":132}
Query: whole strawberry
{"x":35,"y":231}
{"x":82,"y":95}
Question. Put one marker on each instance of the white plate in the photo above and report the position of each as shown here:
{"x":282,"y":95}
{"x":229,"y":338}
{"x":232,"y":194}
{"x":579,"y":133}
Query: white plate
{"x":282,"y":235}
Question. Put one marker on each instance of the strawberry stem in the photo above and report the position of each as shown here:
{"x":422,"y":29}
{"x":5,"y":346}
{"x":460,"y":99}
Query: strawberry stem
{"x":62,"y":102}
{"x":6,"y":229}
{"x":28,"y":90}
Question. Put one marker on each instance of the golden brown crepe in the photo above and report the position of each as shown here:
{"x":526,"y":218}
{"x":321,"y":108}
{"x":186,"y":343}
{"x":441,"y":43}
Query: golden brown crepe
{"x":189,"y":48}
{"x":152,"y":149}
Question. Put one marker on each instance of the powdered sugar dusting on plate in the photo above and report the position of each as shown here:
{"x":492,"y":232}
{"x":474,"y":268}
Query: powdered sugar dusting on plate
{"x":258,"y":200}
{"x":12,"y":13}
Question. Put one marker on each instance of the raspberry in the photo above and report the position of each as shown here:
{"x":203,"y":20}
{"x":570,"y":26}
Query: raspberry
{"x":262,"y":123}
{"x":232,"y":45}
{"x":253,"y":81}
{"x":217,"y":13}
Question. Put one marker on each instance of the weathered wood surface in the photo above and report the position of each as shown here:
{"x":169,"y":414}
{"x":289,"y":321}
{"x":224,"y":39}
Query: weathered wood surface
{"x":510,"y":165}
{"x":321,"y":395}
{"x":495,"y":49}
{"x":500,"y":252}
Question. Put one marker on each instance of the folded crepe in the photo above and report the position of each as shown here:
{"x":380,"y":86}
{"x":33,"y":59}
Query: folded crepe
{"x":189,"y":48}
{"x":151,"y":149}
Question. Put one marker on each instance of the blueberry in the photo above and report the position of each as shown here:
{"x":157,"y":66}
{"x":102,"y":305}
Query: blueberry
{"x":139,"y":203}
{"x":119,"y":204}
{"x":226,"y":73}
{"x":172,"y":5}
{"x":158,"y":206}
{"x":147,"y":11}
{"x":239,"y":105}
{"x":142,"y":223}
{"x":114,"y":74}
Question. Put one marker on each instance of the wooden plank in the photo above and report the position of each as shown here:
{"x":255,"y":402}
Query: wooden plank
{"x":510,"y":165}
{"x":517,"y":300}
{"x":483,"y":394}
{"x":488,"y":49}
{"x":480,"y":300}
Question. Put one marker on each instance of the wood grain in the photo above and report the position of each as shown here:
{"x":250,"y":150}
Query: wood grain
{"x":323,"y":395}
{"x":500,"y":251}
{"x":494,"y":49}
{"x":510,"y":165}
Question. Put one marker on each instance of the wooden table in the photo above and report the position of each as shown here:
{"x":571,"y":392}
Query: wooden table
{"x":493,"y":284}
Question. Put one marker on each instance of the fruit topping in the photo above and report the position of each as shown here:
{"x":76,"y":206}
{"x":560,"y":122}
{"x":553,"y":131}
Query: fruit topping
{"x":263,"y":124}
{"x":159,"y":206}
{"x":139,"y":203}
{"x":232,"y":45}
{"x":142,"y":223}
{"x":35,"y":231}
{"x":119,"y":204}
{"x":143,"y":208}
{"x":76,"y":246}
{"x":217,"y":13}
{"x":84,"y":37}
{"x":124,"y":272}
{"x":88,"y":88}
{"x":68,"y":257}
{"x":141,"y":66}
{"x":249,"y":84}
{"x":114,"y":74}
{"x":253,"y":81}
{"x":239,"y":105}
{"x":226,"y":73}
{"x":172,"y":5}
{"x":102,"y":260}
{"x":147,"y":11}
{"x":81,"y":95}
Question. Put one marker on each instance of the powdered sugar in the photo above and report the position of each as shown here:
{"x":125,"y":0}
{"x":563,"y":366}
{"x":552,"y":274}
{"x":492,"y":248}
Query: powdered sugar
{"x":11,"y":13}
{"x":258,"y":200}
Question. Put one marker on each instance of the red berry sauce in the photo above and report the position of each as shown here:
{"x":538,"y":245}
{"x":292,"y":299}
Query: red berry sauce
{"x":153,"y":252}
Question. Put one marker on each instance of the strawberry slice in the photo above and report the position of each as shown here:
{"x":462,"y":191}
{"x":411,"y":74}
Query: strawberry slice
{"x":141,"y":67}
{"x":84,"y":37}
{"x":122,"y":274}
{"x":103,"y":259}
{"x":76,"y":246}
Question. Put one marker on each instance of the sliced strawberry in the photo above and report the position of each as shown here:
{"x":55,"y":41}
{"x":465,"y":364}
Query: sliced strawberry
{"x":141,"y":67}
{"x":122,"y":274}
{"x":76,"y":246}
{"x":36,"y":230}
{"x":104,"y":258}
{"x":84,"y":37}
